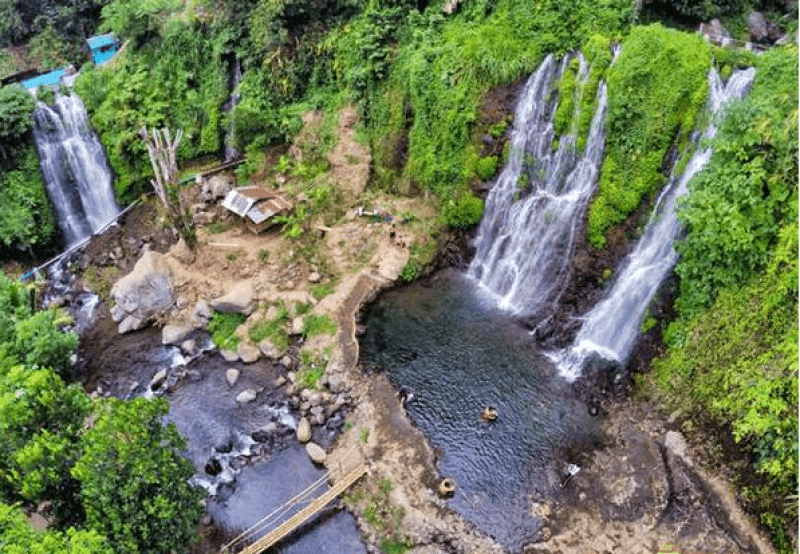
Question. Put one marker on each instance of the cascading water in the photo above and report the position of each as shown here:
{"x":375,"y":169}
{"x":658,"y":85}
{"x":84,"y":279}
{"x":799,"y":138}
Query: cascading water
{"x":525,"y":243}
{"x":612,"y":325}
{"x":231,"y":152}
{"x":75,"y":169}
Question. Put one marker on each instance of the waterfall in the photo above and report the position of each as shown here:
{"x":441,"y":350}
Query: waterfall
{"x":611,"y":327}
{"x":231,"y":152}
{"x":75,"y":169}
{"x":527,"y":237}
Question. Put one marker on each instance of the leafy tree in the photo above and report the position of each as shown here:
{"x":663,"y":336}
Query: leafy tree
{"x":137,"y":19}
{"x":18,"y":537}
{"x":16,"y":109}
{"x":73,"y":20}
{"x":26,"y":218}
{"x":40,"y":421}
{"x":134,"y":483}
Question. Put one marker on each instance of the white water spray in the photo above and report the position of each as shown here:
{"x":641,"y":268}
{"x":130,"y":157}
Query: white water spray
{"x":611,"y":327}
{"x":526,"y":239}
{"x":75,"y":169}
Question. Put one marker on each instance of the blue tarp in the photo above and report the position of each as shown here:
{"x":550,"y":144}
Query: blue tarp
{"x":48,"y":79}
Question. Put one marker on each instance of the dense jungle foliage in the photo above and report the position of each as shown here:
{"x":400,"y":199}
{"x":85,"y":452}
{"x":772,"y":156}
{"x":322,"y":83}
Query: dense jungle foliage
{"x":78,"y":454}
{"x":418,"y":77}
{"x":733,"y":349}
{"x":26,"y":219}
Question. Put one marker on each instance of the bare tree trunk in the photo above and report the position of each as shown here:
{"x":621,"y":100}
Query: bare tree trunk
{"x":162,"y":148}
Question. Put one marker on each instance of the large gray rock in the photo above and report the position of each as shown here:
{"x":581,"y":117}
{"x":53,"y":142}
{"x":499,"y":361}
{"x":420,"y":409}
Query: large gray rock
{"x":216,"y":187}
{"x":757,"y":26}
{"x":270,"y":350}
{"x":303,"y":430}
{"x":316,"y":453}
{"x":173,"y":334}
{"x":144,"y":293}
{"x":248,"y":353}
{"x":247,"y":395}
{"x":714,"y":31}
{"x":231,"y":375}
{"x":239,"y":300}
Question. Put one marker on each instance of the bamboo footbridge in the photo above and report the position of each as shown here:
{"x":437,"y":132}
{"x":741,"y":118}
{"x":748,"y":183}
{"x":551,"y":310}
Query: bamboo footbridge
{"x":342,"y":477}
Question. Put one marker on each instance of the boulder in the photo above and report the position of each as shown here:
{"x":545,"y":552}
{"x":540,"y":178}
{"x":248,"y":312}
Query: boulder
{"x":144,"y":293}
{"x":757,"y":26}
{"x":297,"y":326}
{"x":188,"y":346}
{"x":248,"y":353}
{"x":158,"y":379}
{"x":269,"y":350}
{"x":316,"y":453}
{"x":239,"y":300}
{"x":181,"y":252}
{"x":714,"y":30}
{"x":173,"y":334}
{"x":247,"y":395}
{"x":232,"y":375}
{"x":303,"y":430}
{"x":229,"y":355}
{"x":202,"y":313}
{"x":217,"y":186}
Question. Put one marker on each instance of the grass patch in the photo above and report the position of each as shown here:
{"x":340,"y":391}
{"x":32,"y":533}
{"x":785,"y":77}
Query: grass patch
{"x":314,"y":325}
{"x":309,"y":378}
{"x":99,"y":280}
{"x":273,"y":329}
{"x":321,"y":290}
{"x":217,"y":227}
{"x":222,"y":327}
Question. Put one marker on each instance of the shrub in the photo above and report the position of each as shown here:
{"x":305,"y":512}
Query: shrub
{"x":462,"y":213}
{"x":222,"y":327}
{"x":648,"y":109}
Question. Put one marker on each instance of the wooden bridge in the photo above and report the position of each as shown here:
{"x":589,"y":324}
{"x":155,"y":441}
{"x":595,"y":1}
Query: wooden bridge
{"x":341,"y":481}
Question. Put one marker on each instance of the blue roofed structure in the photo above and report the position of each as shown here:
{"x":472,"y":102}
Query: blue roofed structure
{"x":102,"y":48}
{"x":47,"y":79}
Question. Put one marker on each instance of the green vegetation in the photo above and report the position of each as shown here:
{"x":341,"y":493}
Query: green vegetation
{"x":649,"y":108}
{"x":371,"y":497}
{"x":175,"y":78}
{"x":18,"y":537}
{"x":733,"y":349}
{"x":222,"y":327}
{"x":463,"y":212}
{"x":129,"y":457}
{"x":308,"y":378}
{"x":314,"y":325}
{"x":109,"y":470}
{"x":443,"y":66}
{"x":26,"y":220}
{"x":567,"y":95}
{"x":273,"y":329}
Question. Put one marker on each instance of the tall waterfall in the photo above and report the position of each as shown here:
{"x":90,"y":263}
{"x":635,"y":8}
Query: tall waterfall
{"x":75,"y":169}
{"x":611,"y":327}
{"x":526,"y":239}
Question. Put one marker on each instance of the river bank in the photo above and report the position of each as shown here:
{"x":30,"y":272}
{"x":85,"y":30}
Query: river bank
{"x":639,"y":489}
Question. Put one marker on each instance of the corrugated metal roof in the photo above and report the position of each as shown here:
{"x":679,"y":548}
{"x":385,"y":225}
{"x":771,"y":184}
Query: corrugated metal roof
{"x":257,"y":204}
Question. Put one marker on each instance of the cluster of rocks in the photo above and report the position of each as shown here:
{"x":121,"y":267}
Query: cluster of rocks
{"x":761,"y":31}
{"x":208,"y":193}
